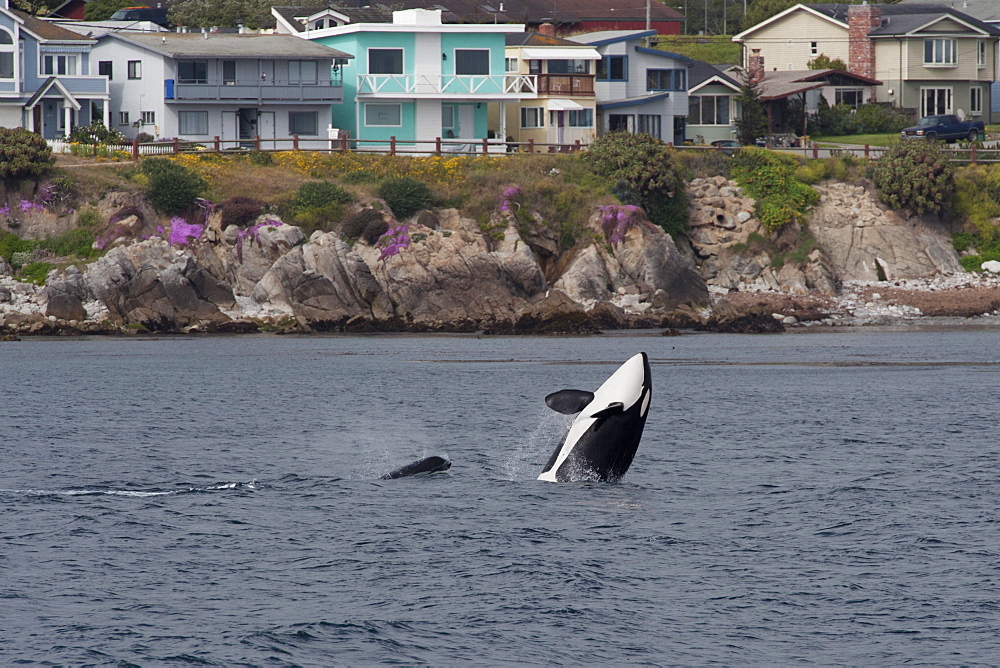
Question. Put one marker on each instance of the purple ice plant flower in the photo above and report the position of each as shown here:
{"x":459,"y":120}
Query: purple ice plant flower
{"x":182,"y":232}
{"x":507,"y":195}
{"x":253,"y":233}
{"x":4,"y":210}
{"x":29,"y":207}
{"x":617,"y":220}
{"x":393,"y":241}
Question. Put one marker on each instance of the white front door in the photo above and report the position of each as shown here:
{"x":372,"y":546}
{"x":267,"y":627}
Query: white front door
{"x":466,"y":121}
{"x":230,"y":128}
{"x":265,"y":126}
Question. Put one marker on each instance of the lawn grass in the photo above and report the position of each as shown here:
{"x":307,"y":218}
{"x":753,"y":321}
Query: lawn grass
{"x":887,"y":139}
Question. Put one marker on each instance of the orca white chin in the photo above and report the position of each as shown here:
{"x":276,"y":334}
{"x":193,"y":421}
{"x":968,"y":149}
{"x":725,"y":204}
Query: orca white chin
{"x":603,"y":439}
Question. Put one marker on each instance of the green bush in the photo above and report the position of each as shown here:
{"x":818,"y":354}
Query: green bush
{"x":75,"y":243}
{"x":914,"y":175}
{"x":366,"y":224}
{"x":977,"y":201}
{"x":405,"y":195}
{"x":769,"y":178}
{"x":35,"y":272}
{"x":645,"y":174}
{"x":88,"y":218}
{"x":23,"y":153}
{"x":11,"y":243}
{"x":173,"y":188}
{"x":95,"y":133}
{"x":318,"y":194}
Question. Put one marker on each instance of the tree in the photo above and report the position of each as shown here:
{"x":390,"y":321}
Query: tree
{"x":23,"y":153}
{"x":752,"y":122}
{"x":101,"y":10}
{"x":824,"y":62}
{"x":33,"y":7}
{"x":222,"y":13}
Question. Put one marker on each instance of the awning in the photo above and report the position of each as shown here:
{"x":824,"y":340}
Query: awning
{"x":560,"y":53}
{"x":564,"y":105}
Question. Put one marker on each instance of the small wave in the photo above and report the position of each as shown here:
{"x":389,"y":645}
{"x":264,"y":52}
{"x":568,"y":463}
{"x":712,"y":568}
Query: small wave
{"x":251,"y":485}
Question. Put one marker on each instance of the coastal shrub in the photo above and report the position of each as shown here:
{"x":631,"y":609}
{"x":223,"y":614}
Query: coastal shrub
{"x":173,"y":188}
{"x":359,"y":176}
{"x":95,"y":133}
{"x":914,"y":175}
{"x":769,"y":178}
{"x":644,"y":173}
{"x":405,"y":195}
{"x":839,"y":168}
{"x":11,"y":243}
{"x":240,"y":211}
{"x":23,"y":153}
{"x":35,"y":272}
{"x":77,"y":242}
{"x":976,"y":201}
{"x":700,"y":163}
{"x":319,"y":194}
{"x":88,"y":219}
{"x":366,"y":224}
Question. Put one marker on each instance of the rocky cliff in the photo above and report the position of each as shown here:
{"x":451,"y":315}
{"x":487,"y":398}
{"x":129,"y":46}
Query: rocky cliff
{"x":452,"y":276}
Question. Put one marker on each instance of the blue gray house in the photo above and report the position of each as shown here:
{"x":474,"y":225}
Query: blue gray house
{"x":46,"y":83}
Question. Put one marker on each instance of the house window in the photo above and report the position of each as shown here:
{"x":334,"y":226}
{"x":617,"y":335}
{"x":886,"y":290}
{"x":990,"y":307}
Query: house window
{"x":193,"y":122}
{"x":303,"y":122}
{"x":229,"y":72}
{"x":447,"y":116}
{"x":148,"y":117}
{"x":192,"y":71}
{"x":534,"y":66}
{"x":940,"y":52}
{"x":976,"y":101}
{"x":814,"y":48}
{"x":935,"y":101}
{"x":303,"y":72}
{"x":6,"y":55}
{"x":569,"y":67}
{"x":621,"y":123}
{"x":852,"y":97}
{"x":981,"y":54}
{"x":390,"y":115}
{"x":510,"y":64}
{"x":59,"y":65}
{"x":708,"y":109}
{"x":105,"y":68}
{"x":135,"y":69}
{"x":385,"y":61}
{"x":472,"y":61}
{"x":666,"y":79}
{"x":650,"y":125}
{"x":581,"y":118}
{"x":612,"y":68}
{"x":122,"y":118}
{"x":532,"y":117}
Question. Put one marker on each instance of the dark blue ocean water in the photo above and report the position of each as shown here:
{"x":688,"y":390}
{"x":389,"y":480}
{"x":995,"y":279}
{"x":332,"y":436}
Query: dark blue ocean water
{"x":822,"y":498}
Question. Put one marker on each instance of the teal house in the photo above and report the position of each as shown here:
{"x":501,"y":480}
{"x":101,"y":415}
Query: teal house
{"x":418,"y":79}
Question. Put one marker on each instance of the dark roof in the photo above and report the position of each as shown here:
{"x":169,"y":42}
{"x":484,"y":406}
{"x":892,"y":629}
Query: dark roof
{"x":901,"y":19}
{"x":370,"y":14}
{"x":537,"y":39}
{"x":48,"y":30}
{"x":533,"y":12}
{"x":700,"y":72}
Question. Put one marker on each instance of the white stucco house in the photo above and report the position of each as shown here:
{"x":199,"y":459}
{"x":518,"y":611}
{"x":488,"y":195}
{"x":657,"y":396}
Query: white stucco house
{"x":237,"y":87}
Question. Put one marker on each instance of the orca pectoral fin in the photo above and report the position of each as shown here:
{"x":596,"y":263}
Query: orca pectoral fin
{"x":616,"y":408}
{"x":569,"y":401}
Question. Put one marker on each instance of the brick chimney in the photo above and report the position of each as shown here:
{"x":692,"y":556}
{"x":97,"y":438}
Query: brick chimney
{"x":547,"y":28}
{"x":861,"y":20}
{"x":755,"y":66}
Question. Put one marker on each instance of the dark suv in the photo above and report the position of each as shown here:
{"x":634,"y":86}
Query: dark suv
{"x":157,"y":15}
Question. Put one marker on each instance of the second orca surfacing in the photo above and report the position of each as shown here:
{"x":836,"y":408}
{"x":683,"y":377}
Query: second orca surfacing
{"x":603,"y":439}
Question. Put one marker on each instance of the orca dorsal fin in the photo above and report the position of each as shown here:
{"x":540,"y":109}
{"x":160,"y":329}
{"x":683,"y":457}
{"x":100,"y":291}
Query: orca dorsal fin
{"x":569,"y":401}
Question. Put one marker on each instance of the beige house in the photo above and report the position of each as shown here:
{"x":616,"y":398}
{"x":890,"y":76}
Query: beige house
{"x":931,"y":59}
{"x":565,"y":110}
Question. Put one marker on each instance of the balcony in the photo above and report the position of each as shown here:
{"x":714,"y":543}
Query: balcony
{"x":410,"y":86}
{"x":251,"y":91}
{"x":566,"y":84}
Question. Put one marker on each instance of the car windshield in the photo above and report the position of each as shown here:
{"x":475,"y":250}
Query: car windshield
{"x":930,"y":120}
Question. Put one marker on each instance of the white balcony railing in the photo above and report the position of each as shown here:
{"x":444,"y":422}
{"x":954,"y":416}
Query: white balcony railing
{"x":512,"y":85}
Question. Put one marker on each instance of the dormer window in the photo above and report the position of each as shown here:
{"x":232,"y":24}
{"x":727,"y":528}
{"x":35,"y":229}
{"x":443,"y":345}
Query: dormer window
{"x":6,"y":55}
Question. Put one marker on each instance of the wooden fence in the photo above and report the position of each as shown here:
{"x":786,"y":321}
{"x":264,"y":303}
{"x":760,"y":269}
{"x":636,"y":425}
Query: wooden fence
{"x":966,"y":153}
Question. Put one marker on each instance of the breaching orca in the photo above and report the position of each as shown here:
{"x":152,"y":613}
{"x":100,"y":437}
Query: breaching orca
{"x":426,"y":465}
{"x":603,"y":439}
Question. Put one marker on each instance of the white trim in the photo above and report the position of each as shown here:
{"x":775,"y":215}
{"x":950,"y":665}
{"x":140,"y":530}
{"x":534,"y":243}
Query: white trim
{"x":489,"y":61}
{"x":740,"y":37}
{"x":464,"y":28}
{"x":715,"y":79}
{"x":402,"y":60}
{"x":940,"y":18}
{"x":560,"y":53}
